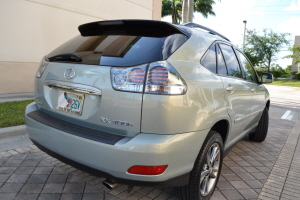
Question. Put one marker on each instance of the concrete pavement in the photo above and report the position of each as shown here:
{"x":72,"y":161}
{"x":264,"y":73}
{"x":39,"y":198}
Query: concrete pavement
{"x":267,"y":170}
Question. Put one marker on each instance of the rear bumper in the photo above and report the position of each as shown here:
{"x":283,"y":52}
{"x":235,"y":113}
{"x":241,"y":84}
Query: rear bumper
{"x":177,"y":181}
{"x":178,"y":151}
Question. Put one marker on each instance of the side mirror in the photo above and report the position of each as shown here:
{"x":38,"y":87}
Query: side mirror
{"x":266,"y":78}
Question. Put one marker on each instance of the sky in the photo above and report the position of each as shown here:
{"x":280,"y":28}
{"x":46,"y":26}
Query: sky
{"x":282,"y":16}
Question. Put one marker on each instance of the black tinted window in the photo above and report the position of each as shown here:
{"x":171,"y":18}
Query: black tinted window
{"x":247,"y":68}
{"x":209,"y":61}
{"x":231,"y":61}
{"x":222,"y":70}
{"x":114,"y":50}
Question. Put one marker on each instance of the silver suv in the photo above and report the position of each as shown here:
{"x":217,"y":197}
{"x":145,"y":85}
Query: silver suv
{"x":148,"y":103}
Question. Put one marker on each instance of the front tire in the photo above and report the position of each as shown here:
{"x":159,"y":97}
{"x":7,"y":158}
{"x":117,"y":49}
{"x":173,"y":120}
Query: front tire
{"x":206,"y":171}
{"x":262,"y":128}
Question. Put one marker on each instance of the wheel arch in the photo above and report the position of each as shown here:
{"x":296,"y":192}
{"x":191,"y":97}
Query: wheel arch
{"x":268,"y":104}
{"x":222,"y":127}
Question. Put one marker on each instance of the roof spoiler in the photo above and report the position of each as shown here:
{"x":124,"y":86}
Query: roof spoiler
{"x":194,"y":25}
{"x":132,"y":27}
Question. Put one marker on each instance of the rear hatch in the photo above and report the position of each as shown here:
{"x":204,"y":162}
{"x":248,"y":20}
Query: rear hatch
{"x":81,"y":82}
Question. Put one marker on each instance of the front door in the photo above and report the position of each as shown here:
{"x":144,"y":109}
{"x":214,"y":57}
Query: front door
{"x":258,"y":90}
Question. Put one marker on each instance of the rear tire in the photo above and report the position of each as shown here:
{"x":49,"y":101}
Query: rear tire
{"x":262,"y":128}
{"x":206,"y":171}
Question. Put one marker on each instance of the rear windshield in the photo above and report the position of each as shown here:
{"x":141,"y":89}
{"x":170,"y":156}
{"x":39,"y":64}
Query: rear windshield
{"x":114,"y":50}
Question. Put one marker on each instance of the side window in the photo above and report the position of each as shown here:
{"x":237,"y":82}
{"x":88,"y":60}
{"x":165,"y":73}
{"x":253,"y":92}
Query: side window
{"x":222,"y":70}
{"x":247,"y":68}
{"x":231,"y":61}
{"x":209,"y":60}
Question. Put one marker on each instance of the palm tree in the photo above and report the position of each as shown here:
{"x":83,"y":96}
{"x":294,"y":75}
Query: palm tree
{"x":204,"y":7}
{"x":191,"y":10}
{"x":185,"y":11}
{"x":173,"y":8}
{"x":178,"y":8}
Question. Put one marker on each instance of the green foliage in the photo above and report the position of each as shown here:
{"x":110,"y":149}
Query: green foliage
{"x":295,"y":75}
{"x":288,"y":69}
{"x":296,"y":54}
{"x":263,"y":49}
{"x":276,"y":70}
{"x":253,"y":57}
{"x":12,"y":113}
{"x":174,"y":8}
{"x":204,"y":7}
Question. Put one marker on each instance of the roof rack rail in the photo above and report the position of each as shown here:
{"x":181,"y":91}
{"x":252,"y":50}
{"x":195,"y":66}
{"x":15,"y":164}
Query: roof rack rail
{"x":194,"y":25}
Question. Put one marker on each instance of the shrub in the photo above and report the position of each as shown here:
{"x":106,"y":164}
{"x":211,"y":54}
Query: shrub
{"x":295,"y":75}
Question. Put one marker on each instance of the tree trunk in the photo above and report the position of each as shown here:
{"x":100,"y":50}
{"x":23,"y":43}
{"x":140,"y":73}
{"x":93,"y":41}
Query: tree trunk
{"x":174,"y":20}
{"x":185,"y":11}
{"x":191,"y":10}
{"x":269,"y":62}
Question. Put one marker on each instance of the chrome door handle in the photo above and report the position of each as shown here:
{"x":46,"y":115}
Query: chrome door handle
{"x":230,"y":88}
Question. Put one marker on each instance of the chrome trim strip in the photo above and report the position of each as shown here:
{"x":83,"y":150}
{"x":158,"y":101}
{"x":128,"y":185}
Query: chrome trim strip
{"x":245,"y":117}
{"x":74,"y":86}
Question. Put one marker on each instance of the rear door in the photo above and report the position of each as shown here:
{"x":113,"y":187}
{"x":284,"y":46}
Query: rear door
{"x":237,"y":93}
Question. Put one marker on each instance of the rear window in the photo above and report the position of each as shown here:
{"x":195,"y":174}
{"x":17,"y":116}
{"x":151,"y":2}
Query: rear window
{"x":112,"y":50}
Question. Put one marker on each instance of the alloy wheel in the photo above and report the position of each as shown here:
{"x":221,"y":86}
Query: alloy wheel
{"x":210,"y":169}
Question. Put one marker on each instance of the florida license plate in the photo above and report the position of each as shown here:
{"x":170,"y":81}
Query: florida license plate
{"x":70,"y":102}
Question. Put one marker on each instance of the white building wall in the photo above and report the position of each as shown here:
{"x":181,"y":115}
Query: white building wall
{"x":32,"y":28}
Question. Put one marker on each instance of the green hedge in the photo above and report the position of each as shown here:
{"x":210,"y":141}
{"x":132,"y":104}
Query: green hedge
{"x":276,"y":73}
{"x":296,"y":75}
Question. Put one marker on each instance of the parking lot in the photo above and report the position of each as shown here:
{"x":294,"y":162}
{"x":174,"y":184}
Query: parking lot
{"x":267,"y":170}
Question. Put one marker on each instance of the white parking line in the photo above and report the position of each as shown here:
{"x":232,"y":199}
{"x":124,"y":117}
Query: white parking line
{"x":286,"y":114}
{"x":290,"y":116}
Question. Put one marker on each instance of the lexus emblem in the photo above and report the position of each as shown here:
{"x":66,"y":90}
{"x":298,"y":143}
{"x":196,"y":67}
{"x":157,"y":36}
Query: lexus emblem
{"x":69,"y":74}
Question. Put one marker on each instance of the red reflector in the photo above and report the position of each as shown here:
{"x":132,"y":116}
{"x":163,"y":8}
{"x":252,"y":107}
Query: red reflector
{"x":158,"y":75}
{"x":136,"y":76}
{"x":147,"y":170}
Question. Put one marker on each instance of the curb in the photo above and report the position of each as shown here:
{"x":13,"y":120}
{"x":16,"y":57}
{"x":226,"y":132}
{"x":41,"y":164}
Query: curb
{"x":13,"y":131}
{"x":13,"y":137}
{"x":16,"y":97}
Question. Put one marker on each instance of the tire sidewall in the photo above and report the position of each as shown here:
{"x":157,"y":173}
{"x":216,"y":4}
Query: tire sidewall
{"x":213,"y":137}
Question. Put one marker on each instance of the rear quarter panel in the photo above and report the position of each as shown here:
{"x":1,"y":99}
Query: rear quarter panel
{"x":202,"y":105}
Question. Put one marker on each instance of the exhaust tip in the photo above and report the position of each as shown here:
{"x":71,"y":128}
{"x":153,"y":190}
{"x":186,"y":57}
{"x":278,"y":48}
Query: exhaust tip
{"x":109,"y":184}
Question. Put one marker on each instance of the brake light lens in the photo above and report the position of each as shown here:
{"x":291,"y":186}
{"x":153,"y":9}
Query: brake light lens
{"x":155,"y":78}
{"x":42,"y":67}
{"x":128,"y":79}
{"x":147,"y":170}
{"x":162,"y":78}
{"x":136,"y":75}
{"x":158,"y":75}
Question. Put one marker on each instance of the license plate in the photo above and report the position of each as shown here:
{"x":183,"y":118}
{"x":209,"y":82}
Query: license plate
{"x":70,"y":102}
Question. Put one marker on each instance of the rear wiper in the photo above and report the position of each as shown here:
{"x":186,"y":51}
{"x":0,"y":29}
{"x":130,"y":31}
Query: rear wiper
{"x":70,"y":57}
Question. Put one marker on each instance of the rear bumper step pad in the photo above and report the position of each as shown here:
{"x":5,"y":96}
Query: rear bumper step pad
{"x":74,"y":129}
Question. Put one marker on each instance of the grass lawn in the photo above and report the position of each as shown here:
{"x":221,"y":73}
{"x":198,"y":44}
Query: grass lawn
{"x":12,"y":113}
{"x":286,"y":82}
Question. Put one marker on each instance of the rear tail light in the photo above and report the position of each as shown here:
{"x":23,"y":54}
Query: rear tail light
{"x":42,"y":67}
{"x":147,"y":170}
{"x":164,"y":79}
{"x":157,"y":78}
{"x":128,"y":79}
{"x":158,"y":75}
{"x":136,"y":75}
